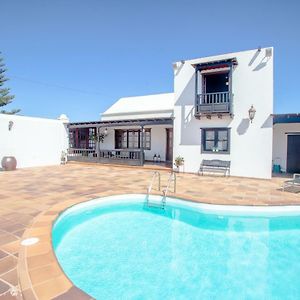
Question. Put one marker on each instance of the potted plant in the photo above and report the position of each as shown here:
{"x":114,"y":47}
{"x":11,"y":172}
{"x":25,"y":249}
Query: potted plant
{"x":98,"y":137}
{"x":179,"y":161}
{"x":63,"y":157}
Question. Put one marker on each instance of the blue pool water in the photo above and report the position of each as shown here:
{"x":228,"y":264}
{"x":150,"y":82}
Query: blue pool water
{"x":119,"y":249}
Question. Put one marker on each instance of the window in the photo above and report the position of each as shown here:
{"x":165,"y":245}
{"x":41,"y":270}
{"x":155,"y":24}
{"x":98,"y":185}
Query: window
{"x":83,"y":138}
{"x":72,"y":140}
{"x":131,"y":139}
{"x":92,"y":138}
{"x":147,"y":139}
{"x":215,"y":140}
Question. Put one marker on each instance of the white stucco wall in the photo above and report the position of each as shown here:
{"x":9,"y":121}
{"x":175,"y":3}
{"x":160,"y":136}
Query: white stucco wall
{"x":251,"y":144}
{"x":33,"y":141}
{"x":158,"y":141}
{"x":280,"y":142}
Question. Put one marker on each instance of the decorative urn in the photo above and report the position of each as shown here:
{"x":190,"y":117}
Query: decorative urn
{"x":9,"y":163}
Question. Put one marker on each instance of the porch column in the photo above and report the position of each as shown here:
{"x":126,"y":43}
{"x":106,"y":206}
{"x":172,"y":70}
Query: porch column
{"x":142,"y":145}
{"x":87,"y":137}
{"x":98,"y":142}
{"x":77,"y":138}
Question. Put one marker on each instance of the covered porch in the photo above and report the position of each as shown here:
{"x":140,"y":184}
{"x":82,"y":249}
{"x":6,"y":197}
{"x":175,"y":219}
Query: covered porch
{"x":130,"y":142}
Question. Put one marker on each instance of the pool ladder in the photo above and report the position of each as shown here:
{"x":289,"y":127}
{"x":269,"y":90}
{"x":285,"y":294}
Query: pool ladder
{"x":162,"y":204}
{"x":172,"y":179}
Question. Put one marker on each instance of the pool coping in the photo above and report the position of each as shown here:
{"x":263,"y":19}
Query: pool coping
{"x":40,"y":274}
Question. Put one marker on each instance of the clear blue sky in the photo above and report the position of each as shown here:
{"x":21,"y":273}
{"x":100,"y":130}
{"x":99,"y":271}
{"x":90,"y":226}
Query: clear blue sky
{"x":103,"y":50}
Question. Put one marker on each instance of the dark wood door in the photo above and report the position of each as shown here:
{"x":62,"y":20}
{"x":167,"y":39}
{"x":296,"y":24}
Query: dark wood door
{"x":293,"y":154}
{"x":169,"y":148}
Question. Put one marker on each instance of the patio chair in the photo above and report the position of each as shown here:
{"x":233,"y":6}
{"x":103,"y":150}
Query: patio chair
{"x":294,"y":183}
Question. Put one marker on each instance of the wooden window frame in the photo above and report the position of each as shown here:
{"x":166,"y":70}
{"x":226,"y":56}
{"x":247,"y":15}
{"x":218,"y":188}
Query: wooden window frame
{"x":92,"y":133}
{"x":128,"y":131}
{"x":216,"y":140}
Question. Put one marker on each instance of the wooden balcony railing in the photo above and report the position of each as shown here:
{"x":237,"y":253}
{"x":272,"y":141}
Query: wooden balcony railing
{"x":209,"y":103}
{"x":121,"y":154}
{"x":75,"y":153}
{"x":129,"y":157}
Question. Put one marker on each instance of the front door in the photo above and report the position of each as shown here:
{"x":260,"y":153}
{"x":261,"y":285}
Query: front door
{"x":169,"y":148}
{"x":293,"y":154}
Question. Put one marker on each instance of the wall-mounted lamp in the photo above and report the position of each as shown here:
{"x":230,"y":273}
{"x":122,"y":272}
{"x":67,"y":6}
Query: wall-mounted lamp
{"x":105,"y":132}
{"x":251,"y":112}
{"x":10,"y":125}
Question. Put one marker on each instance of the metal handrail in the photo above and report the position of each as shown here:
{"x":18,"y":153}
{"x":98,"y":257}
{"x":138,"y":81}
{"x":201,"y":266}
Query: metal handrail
{"x":156,"y":173}
{"x":172,"y":178}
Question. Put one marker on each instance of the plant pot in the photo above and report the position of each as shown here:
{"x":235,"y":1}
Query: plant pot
{"x":9,"y":163}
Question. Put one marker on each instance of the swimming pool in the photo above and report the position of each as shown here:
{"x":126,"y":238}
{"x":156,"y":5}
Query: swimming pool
{"x":116,"y":248}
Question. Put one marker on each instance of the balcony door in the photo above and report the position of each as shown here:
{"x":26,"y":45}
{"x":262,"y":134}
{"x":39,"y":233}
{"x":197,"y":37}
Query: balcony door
{"x":215,"y":82}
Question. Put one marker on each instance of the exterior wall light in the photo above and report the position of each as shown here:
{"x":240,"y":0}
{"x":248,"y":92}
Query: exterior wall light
{"x":10,"y":125}
{"x":251,"y":112}
{"x":105,"y":132}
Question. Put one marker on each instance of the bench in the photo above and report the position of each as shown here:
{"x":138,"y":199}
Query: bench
{"x":215,"y":165}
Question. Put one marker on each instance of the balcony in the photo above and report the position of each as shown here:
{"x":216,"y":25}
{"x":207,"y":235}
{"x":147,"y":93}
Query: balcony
{"x":213,"y":103}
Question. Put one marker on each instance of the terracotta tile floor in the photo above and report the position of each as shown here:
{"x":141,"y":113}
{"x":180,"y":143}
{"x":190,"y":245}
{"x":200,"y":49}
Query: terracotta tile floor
{"x":26,"y":193}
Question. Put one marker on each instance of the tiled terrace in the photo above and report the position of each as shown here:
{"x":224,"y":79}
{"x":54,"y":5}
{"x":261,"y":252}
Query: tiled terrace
{"x":34,"y":196}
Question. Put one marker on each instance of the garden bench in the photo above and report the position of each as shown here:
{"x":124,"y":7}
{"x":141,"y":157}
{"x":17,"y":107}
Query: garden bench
{"x":215,"y":165}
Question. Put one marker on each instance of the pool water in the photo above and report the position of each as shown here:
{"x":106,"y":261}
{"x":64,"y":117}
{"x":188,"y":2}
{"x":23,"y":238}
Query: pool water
{"x":120,"y":249}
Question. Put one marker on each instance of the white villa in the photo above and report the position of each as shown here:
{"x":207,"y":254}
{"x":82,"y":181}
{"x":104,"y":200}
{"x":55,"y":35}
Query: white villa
{"x":220,"y":115}
{"x":206,"y":118}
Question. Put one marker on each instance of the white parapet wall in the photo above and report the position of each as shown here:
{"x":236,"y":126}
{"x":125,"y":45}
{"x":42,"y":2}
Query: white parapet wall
{"x":250,"y":143}
{"x":33,"y":141}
